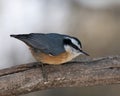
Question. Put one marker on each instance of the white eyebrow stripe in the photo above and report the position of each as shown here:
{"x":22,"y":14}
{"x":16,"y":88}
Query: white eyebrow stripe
{"x":75,"y":42}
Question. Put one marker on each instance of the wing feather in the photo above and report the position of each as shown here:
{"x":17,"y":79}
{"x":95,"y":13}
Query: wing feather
{"x":51,"y":43}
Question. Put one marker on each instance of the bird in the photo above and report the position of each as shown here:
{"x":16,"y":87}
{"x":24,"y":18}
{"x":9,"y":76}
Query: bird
{"x":52,"y":48}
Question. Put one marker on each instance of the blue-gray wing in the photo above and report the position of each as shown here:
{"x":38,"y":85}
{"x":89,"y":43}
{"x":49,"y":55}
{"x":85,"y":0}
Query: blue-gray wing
{"x":51,"y":43}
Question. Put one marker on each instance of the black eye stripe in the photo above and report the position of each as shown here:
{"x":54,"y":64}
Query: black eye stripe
{"x":68,"y":42}
{"x":74,"y":46}
{"x":78,"y":41}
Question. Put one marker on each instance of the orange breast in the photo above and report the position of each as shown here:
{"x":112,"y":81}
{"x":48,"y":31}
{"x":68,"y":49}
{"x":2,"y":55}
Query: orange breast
{"x":49,"y":59}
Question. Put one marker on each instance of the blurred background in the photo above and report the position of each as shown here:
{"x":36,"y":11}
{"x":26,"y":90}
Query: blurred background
{"x":95,"y":22}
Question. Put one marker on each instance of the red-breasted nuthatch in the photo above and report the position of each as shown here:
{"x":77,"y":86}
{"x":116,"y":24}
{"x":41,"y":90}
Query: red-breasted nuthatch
{"x":52,"y":48}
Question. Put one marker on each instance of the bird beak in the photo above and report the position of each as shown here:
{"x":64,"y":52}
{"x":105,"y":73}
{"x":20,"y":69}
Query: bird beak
{"x":84,"y":53}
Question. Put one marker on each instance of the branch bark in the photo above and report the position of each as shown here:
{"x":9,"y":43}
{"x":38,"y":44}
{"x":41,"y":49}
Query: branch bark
{"x":27,"y":78}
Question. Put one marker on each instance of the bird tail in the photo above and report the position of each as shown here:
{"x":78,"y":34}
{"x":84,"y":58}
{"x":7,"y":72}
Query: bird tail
{"x":21,"y":36}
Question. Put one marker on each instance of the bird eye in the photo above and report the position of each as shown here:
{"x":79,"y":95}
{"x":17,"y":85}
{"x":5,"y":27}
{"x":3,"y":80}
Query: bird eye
{"x":78,"y":42}
{"x":71,"y":43}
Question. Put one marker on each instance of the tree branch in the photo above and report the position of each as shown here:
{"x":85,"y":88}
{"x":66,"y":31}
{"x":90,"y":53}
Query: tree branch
{"x":27,"y":78}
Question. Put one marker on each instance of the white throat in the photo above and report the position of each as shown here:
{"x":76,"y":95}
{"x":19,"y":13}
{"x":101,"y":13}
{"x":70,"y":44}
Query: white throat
{"x":73,"y":52}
